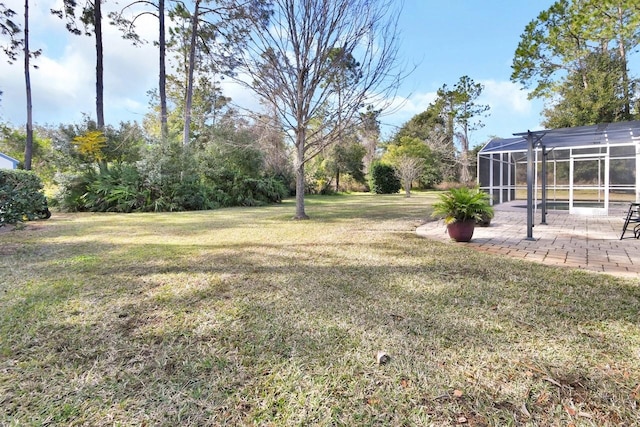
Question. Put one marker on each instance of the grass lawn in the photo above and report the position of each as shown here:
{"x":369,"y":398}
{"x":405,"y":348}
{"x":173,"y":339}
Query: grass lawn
{"x":245,"y":317}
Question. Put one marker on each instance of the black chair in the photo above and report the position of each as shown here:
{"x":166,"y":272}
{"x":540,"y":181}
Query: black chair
{"x":633,"y":217}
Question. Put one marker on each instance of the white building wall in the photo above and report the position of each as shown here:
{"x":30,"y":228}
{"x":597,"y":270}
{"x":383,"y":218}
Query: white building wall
{"x":6,"y":163}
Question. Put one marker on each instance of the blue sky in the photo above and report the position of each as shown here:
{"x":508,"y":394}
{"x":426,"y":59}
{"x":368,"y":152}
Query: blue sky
{"x":445,"y":40}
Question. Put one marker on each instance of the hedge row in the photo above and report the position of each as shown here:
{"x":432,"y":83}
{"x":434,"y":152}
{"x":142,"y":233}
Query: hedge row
{"x":21,"y":197}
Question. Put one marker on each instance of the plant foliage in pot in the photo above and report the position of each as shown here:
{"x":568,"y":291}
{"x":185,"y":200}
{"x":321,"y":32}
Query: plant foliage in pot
{"x":461,"y":208}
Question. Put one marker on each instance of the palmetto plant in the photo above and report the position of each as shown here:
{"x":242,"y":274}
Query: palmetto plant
{"x":462,"y":204}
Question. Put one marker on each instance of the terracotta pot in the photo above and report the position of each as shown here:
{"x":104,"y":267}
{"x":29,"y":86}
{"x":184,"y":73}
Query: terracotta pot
{"x":461,"y":231}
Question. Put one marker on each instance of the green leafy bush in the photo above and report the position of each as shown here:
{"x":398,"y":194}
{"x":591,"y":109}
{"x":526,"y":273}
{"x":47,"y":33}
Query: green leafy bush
{"x":171,"y":178}
{"x":188,"y":194}
{"x":21,"y":197}
{"x":124,"y":189}
{"x":234,"y":189}
{"x":119,"y":190}
{"x":384,"y":179}
{"x":263,"y":191}
{"x":72,"y":188}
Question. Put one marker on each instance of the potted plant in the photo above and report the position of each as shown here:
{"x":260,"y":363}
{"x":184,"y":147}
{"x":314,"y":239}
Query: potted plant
{"x":461,"y":208}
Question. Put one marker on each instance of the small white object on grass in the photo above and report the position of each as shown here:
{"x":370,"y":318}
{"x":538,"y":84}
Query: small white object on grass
{"x":383,"y":358}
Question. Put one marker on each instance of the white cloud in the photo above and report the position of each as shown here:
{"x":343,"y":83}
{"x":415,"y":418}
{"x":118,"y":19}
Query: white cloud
{"x":499,"y":95}
{"x":505,"y":95}
{"x":241,"y":96}
{"x":63,"y":86}
{"x":402,"y":109}
{"x":413,"y":104}
{"x":510,"y":110}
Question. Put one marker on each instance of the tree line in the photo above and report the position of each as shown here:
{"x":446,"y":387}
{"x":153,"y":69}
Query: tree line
{"x":323,"y":71}
{"x":576,"y":56}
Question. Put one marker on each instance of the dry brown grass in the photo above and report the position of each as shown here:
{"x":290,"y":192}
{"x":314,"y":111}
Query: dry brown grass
{"x":244,"y":317}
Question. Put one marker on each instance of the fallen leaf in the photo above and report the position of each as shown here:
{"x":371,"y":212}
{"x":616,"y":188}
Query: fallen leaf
{"x":462,"y":420}
{"x":585,"y":415}
{"x":457,"y":393}
{"x":570,"y":410}
{"x":543,"y":398}
{"x":404,"y":383}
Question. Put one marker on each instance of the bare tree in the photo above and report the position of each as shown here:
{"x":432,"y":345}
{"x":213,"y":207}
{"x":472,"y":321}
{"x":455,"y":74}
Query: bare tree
{"x":290,"y":66}
{"x":440,"y":144}
{"x":271,"y":140}
{"x":408,"y":169}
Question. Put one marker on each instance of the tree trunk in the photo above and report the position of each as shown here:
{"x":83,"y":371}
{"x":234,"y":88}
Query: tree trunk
{"x":28,"y":149}
{"x":465,"y":176}
{"x":625,"y":71}
{"x":190,"y":71}
{"x":97,"y":24}
{"x":339,"y":136}
{"x":299,"y":166}
{"x":162,"y":86}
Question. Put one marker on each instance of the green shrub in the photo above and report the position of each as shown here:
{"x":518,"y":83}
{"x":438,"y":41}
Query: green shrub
{"x":119,"y":190}
{"x":231,"y":188}
{"x":384,"y":179}
{"x":72,"y":189}
{"x":264,"y":190}
{"x":169,"y":179}
{"x":189,"y":194}
{"x":21,"y":197}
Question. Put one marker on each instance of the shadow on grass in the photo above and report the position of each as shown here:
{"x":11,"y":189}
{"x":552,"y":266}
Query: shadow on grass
{"x":248,"y":332}
{"x":216,"y":318}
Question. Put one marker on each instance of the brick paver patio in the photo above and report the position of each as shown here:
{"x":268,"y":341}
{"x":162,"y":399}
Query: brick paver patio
{"x":585,"y":242}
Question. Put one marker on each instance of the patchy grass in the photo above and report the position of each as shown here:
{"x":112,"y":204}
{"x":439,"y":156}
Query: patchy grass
{"x":245,"y":317}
